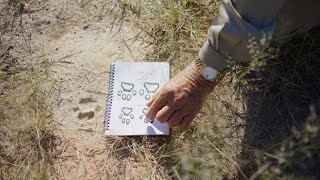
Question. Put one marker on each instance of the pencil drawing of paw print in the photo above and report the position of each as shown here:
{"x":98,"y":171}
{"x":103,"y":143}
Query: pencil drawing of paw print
{"x":126,"y":115}
{"x":151,"y":88}
{"x":127,"y":90}
{"x":143,"y":116}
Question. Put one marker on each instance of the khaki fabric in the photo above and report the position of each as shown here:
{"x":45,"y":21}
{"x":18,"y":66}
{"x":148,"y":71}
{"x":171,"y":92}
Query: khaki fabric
{"x":244,"y":28}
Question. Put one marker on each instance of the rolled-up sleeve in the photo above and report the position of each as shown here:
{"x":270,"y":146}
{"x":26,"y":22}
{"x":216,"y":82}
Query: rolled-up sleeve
{"x":241,"y":30}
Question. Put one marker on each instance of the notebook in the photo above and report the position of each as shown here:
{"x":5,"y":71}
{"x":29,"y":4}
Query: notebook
{"x":131,"y":85}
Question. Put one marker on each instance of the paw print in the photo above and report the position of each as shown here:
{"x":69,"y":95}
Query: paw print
{"x":151,"y":88}
{"x":126,"y":116}
{"x":127,"y":89}
{"x":143,"y":116}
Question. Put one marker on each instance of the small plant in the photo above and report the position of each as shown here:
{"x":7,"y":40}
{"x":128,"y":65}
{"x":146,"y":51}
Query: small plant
{"x":26,"y":150}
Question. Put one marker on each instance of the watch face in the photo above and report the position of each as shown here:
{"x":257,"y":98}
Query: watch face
{"x":209,"y":73}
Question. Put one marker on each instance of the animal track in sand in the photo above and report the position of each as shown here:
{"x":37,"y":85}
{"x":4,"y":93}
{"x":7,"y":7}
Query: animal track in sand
{"x":83,"y":115}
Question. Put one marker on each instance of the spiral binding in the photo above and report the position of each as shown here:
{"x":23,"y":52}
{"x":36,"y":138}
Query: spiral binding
{"x":110,"y":97}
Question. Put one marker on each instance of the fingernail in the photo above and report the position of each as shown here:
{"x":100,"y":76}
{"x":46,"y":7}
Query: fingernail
{"x":148,"y":104}
{"x":149,"y":120}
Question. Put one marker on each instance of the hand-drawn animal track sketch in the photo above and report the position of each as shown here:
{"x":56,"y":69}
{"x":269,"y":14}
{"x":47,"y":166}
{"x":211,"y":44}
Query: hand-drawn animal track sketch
{"x":145,"y":110}
{"x":143,"y":116}
{"x":125,"y":121}
{"x":127,"y":88}
{"x":128,"y":97}
{"x":151,"y":87}
{"x":147,"y":97}
{"x":126,"y":113}
{"x":141,"y":92}
{"x":124,"y":96}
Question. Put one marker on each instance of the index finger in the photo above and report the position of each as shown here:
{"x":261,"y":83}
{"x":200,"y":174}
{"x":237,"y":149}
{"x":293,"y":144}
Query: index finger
{"x":158,"y":103}
{"x":153,"y":98}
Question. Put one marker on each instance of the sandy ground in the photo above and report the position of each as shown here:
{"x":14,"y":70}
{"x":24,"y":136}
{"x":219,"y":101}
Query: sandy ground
{"x":82,"y":59}
{"x":81,"y":39}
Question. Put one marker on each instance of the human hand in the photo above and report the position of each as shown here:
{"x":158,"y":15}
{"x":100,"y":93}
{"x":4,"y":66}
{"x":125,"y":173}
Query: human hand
{"x":180,"y":99}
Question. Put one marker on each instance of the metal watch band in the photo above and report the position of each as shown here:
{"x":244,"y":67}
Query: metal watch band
{"x":201,"y":65}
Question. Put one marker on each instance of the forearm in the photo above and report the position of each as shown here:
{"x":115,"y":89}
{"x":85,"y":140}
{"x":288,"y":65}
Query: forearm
{"x":241,"y":30}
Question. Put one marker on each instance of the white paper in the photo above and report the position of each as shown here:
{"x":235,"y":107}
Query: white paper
{"x":134,"y":84}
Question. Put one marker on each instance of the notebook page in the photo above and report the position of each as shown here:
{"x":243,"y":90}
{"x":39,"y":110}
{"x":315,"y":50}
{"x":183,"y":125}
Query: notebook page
{"x":134,"y":84}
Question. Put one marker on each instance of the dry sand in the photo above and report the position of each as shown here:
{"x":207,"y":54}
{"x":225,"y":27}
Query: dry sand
{"x":81,"y":39}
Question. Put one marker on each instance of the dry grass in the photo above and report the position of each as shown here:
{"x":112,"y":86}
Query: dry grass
{"x":26,"y":129}
{"x":26,"y":148}
{"x":177,"y":30}
{"x":253,"y":116}
{"x":256,"y":124}
{"x":283,"y":111}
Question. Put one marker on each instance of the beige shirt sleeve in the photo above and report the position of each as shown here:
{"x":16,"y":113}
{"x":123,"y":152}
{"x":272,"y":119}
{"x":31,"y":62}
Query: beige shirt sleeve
{"x":242,"y":29}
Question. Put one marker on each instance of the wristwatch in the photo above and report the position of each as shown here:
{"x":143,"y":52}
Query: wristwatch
{"x":208,"y":73}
